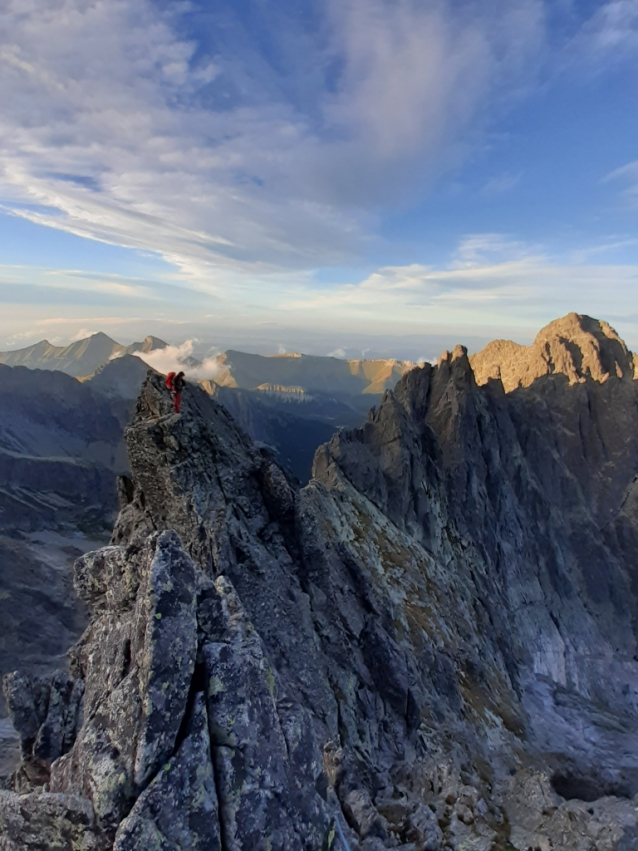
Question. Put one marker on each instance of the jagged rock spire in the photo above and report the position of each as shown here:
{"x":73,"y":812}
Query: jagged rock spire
{"x":575,"y":346}
{"x":407,"y":645}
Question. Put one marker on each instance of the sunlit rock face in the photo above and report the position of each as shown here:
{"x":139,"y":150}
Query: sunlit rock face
{"x":575,"y":346}
{"x":432,"y":645}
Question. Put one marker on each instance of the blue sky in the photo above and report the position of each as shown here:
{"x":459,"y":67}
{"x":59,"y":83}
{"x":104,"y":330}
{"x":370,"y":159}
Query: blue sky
{"x":344,"y":174}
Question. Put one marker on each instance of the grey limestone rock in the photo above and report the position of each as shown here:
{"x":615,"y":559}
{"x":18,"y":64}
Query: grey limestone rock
{"x":45,"y":822}
{"x":432,"y":645}
{"x":137,"y":660}
{"x":45,"y":714}
{"x":178,"y":810}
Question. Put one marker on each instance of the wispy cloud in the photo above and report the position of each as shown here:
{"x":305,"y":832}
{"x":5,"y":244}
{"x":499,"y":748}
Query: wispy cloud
{"x":612,"y":30}
{"x":502,"y":183}
{"x":118,"y":128}
{"x":495,"y":281}
{"x":613,"y":244}
{"x":486,"y":249}
{"x":627,"y":177}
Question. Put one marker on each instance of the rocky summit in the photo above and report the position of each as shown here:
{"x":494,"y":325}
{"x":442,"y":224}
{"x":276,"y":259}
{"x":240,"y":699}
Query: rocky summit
{"x":430,"y":646}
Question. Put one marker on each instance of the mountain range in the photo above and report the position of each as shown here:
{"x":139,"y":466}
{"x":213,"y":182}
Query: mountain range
{"x":62,"y":448}
{"x":431,"y":645}
{"x":81,"y":358}
{"x":290,"y":402}
{"x":290,"y":373}
{"x":299,"y":374}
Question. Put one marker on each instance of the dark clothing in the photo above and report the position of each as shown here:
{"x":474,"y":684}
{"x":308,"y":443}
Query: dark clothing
{"x":176,"y":384}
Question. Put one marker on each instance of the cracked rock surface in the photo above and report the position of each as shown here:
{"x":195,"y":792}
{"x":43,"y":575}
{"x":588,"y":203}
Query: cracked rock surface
{"x":430,"y":646}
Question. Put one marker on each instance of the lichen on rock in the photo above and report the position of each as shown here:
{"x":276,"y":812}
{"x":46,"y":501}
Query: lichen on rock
{"x":432,"y":645}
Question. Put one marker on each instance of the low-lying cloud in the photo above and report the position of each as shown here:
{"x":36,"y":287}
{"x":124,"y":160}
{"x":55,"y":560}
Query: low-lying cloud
{"x":175,"y":359}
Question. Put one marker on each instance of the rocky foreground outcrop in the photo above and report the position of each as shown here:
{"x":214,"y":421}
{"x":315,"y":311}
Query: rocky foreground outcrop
{"x":432,"y":645}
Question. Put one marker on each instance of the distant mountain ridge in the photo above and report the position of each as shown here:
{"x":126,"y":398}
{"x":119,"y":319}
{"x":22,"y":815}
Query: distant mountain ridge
{"x":432,"y":645}
{"x":79,"y":359}
{"x":575,"y":346}
{"x":309,"y":373}
{"x":296,"y":373}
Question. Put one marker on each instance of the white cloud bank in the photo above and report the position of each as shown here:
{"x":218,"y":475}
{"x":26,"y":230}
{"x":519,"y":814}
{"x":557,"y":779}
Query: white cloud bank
{"x":175,"y":359}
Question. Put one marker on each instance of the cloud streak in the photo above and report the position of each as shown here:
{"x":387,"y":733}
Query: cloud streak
{"x":249,"y":149}
{"x":117,"y":126}
{"x":626,"y":176}
{"x":494,"y":282}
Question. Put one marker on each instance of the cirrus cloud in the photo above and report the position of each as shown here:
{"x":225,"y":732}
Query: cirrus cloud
{"x":120,"y":125}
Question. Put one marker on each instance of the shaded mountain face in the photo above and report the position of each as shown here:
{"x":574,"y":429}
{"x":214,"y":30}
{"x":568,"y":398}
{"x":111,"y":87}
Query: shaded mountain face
{"x":432,"y":645}
{"x":291,"y":428}
{"x":120,"y":378}
{"x":60,"y":445}
{"x":39,"y":610}
{"x":79,"y":359}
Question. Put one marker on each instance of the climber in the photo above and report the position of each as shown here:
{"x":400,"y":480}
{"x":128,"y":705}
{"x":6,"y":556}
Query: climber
{"x":176,"y":384}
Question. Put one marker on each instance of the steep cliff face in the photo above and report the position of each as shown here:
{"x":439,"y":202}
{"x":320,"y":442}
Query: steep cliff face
{"x":432,"y":645}
{"x":537,"y":483}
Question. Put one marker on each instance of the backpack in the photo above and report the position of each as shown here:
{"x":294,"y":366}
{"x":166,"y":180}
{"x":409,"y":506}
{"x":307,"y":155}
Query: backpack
{"x":170,"y":378}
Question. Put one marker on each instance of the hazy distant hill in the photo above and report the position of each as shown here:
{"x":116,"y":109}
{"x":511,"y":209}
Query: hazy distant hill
{"x":60,"y":449}
{"x":79,"y":359}
{"x":308,"y":373}
{"x":295,"y":374}
{"x":60,"y":446}
{"x":292,"y":430}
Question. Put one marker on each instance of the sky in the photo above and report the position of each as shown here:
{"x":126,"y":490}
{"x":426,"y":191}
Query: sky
{"x":385,"y":176}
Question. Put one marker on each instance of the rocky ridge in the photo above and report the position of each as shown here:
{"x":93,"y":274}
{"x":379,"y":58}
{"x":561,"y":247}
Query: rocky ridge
{"x":576,"y":346}
{"x":81,"y":358}
{"x":432,"y":645}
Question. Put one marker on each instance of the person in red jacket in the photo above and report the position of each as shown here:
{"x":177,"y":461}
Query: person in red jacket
{"x":176,"y":384}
